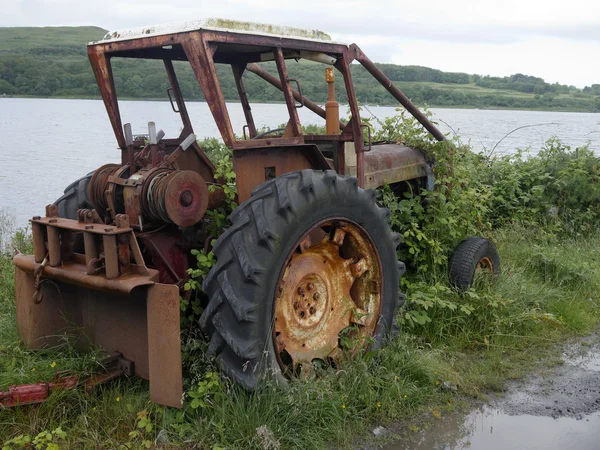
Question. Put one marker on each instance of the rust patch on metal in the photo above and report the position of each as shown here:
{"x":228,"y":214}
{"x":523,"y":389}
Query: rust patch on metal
{"x":485,"y":264}
{"x":164,"y":347}
{"x":325,"y":294}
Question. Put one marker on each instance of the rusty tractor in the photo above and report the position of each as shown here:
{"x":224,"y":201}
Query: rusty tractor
{"x":308,"y":254}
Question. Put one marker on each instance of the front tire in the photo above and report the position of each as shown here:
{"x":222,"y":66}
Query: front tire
{"x":470,"y":256}
{"x":248,"y":287}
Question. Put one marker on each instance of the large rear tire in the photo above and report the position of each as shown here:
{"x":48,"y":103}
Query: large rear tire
{"x":269,"y":270}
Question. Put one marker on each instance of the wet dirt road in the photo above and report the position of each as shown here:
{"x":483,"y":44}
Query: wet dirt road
{"x":557,"y":408}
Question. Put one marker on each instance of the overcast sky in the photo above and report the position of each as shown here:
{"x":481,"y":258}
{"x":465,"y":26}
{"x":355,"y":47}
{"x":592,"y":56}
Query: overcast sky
{"x":557,"y":40}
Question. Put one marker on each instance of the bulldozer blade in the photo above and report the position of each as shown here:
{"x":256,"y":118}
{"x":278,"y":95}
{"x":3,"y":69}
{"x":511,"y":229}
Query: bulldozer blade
{"x":140,"y":321}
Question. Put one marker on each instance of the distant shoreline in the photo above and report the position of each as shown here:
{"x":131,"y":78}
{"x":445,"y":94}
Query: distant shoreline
{"x":13,"y":96}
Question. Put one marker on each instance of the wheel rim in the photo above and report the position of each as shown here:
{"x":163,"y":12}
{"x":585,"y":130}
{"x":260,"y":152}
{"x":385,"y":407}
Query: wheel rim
{"x":328,"y":297}
{"x":485,"y":264}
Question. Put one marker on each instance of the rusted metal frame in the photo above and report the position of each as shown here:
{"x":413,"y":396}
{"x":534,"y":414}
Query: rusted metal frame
{"x":175,"y":54}
{"x":238,"y":71}
{"x":274,"y":142}
{"x":343,"y":65}
{"x":132,"y":45}
{"x":397,"y":93}
{"x":287,"y":92}
{"x":200,"y":57}
{"x":328,"y":137}
{"x":185,"y":118}
{"x":73,"y":225}
{"x":273,"y":81}
{"x":54,"y":250}
{"x":76,"y":273}
{"x":104,"y":77}
{"x":38,"y":236}
{"x":274,"y":41}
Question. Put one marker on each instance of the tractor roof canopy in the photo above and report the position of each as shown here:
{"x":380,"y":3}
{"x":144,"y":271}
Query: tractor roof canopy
{"x":214,"y":24}
{"x":204,"y":43}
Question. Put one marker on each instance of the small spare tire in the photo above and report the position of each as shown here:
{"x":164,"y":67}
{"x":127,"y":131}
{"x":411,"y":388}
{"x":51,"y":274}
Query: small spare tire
{"x":471,"y":255}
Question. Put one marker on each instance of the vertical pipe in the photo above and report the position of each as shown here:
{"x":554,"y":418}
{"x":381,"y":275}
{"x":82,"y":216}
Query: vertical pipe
{"x":185,"y":117}
{"x":153,"y":141}
{"x":111,"y":257}
{"x":332,"y":107}
{"x":343,"y":65}
{"x":129,"y":142}
{"x":89,"y":244}
{"x":287,"y":92}
{"x":238,"y":71}
{"x":54,"y":255}
{"x":39,"y":243}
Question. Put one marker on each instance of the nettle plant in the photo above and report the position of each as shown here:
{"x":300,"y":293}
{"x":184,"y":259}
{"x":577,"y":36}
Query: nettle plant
{"x":433,"y":222}
{"x":193,"y":344}
{"x":557,"y":190}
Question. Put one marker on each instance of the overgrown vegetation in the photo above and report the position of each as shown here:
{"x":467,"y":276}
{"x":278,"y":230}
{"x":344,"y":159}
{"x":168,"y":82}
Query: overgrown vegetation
{"x":52,"y":61}
{"x":541,"y":212}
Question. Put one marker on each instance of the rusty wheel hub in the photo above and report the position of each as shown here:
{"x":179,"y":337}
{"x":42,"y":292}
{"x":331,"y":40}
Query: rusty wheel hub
{"x":485,"y":264}
{"x":329,"y":290}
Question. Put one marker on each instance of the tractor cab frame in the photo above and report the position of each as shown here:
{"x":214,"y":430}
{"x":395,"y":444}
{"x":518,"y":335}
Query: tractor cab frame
{"x":204,"y":44}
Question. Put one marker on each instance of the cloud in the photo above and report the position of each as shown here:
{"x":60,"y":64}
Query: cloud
{"x":538,"y":37}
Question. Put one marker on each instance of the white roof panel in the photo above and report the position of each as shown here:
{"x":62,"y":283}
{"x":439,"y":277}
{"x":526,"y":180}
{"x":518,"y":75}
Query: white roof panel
{"x":232,"y":26}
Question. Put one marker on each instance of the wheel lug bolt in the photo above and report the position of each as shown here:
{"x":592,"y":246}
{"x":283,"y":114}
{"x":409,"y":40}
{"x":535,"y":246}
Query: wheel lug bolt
{"x":313,"y":310}
{"x":316,"y":296}
{"x":300,"y":290}
{"x":310,"y":286}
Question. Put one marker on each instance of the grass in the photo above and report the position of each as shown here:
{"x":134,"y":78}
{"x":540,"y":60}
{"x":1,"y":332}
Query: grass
{"x":548,"y":292}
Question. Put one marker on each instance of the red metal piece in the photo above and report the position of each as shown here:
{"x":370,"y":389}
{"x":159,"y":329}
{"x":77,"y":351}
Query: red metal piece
{"x":169,"y":255}
{"x":29,"y":394}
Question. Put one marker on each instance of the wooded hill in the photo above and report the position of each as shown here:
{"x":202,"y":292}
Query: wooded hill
{"x":52,"y":62}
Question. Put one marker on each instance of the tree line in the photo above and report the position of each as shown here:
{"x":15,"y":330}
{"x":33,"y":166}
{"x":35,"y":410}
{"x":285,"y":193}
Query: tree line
{"x":64,"y":71}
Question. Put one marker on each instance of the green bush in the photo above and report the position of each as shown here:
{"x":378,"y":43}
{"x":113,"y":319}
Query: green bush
{"x":557,"y":189}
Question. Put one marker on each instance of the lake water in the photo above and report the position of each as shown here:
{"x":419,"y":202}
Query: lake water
{"x":48,"y":143}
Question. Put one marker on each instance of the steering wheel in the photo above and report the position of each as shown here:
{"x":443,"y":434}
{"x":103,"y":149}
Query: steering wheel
{"x":268,"y":132}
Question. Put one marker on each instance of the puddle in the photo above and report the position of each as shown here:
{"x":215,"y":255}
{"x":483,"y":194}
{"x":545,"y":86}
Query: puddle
{"x":590,"y":361}
{"x":492,"y":429}
{"x":557,"y":407}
